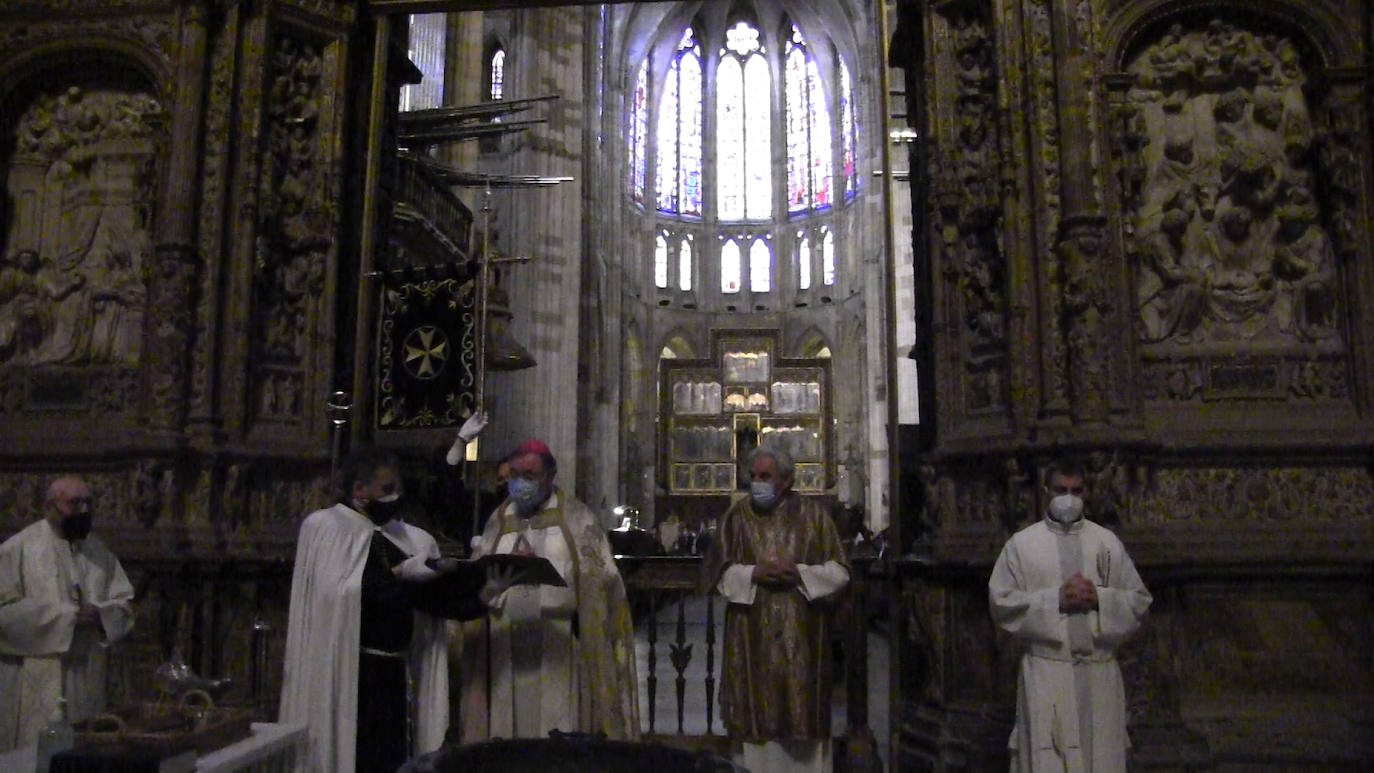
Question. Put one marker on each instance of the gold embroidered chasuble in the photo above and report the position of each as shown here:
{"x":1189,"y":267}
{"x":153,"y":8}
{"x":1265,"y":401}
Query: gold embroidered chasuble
{"x":584,"y":632}
{"x":777,"y":666}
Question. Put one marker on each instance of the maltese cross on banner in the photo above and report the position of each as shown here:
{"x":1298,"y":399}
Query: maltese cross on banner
{"x":425,"y":367}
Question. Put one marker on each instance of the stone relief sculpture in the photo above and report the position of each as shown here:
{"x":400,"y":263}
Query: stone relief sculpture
{"x":72,"y":276}
{"x":968,"y":212}
{"x":1225,"y":227}
{"x":293,"y":242}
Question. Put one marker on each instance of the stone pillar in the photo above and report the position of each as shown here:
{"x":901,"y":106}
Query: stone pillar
{"x":170,"y":316}
{"x":1084,"y":314}
{"x":544,"y":224}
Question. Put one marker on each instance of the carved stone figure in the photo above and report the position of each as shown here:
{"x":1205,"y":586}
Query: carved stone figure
{"x":1018,"y":493}
{"x":1230,"y":243}
{"x":969,"y":212}
{"x":79,"y":297}
{"x":293,"y":242}
{"x":1170,"y":294}
{"x":23,"y":315}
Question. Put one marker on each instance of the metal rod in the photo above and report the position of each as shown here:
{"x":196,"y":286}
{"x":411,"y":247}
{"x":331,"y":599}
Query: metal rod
{"x":336,"y":408}
{"x":481,"y":110}
{"x":437,"y":268}
{"x":479,"y":348}
{"x":431,"y":136}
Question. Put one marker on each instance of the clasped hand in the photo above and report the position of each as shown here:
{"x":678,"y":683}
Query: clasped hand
{"x":777,"y":574}
{"x":1077,"y":594}
{"x":89,"y":614}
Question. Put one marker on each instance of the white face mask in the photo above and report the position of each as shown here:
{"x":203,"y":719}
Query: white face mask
{"x":1066,"y":508}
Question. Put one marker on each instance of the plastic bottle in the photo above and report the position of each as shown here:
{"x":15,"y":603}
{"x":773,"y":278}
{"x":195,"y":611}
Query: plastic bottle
{"x":57,"y":737}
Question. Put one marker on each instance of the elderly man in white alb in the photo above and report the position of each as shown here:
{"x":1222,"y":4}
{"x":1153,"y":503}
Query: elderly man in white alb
{"x":1065,"y":588}
{"x":63,"y":600}
{"x":550,"y":657}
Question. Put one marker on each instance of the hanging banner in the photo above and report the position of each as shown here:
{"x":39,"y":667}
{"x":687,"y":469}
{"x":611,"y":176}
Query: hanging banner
{"x":426,"y":374}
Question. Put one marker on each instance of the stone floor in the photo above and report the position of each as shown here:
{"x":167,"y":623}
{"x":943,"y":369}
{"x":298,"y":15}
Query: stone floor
{"x":693,"y":716}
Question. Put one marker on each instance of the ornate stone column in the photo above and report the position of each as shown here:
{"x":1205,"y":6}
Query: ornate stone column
{"x":1082,"y":290}
{"x":170,"y":313}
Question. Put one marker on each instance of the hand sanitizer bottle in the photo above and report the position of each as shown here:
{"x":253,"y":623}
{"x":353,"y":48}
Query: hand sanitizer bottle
{"x":57,"y":737}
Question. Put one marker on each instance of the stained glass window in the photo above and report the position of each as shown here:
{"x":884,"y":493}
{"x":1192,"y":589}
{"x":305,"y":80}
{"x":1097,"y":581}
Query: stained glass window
{"x":684,"y":264}
{"x":730,"y":139}
{"x":666,"y":178}
{"x":661,"y":261}
{"x":744,"y":131}
{"x":847,"y":132}
{"x":427,"y":33}
{"x":729,"y":267}
{"x":758,"y":138}
{"x":809,"y":167}
{"x":639,"y":131}
{"x":820,"y":160}
{"x":498,"y":74}
{"x":796,"y":127}
{"x":827,"y":256}
{"x":689,"y":169}
{"x":760,"y":267}
{"x":679,"y":132}
{"x":822,"y":165}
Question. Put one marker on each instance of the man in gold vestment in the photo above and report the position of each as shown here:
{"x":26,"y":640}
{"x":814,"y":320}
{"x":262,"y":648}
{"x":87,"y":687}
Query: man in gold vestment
{"x":777,"y":559}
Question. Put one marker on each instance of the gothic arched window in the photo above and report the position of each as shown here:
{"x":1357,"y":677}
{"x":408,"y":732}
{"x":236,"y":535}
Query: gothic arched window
{"x":684,"y":264}
{"x":639,"y":131}
{"x":766,"y":81}
{"x":679,"y":132}
{"x":730,"y":274}
{"x":661,"y":260}
{"x":847,"y":131}
{"x":497,"y":68}
{"x":744,"y":127}
{"x":760,"y":267}
{"x":809,"y":166}
{"x":827,"y":256}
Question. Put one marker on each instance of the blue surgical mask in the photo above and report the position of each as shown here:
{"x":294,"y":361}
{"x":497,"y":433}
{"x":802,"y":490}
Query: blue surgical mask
{"x":763,"y":494}
{"x":525,"y":493}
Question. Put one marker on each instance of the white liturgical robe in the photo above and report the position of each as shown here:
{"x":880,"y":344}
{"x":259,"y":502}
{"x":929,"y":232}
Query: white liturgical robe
{"x":1071,"y":705}
{"x":44,"y":654}
{"x":552,"y":658}
{"x":320,"y":672}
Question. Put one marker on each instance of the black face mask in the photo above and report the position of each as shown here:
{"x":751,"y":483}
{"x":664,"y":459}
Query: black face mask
{"x":382,"y":512}
{"x":76,"y":527}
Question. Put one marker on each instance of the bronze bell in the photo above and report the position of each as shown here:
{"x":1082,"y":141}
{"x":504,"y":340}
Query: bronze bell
{"x":503,"y":352}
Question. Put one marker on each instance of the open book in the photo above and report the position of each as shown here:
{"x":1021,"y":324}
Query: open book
{"x":527,"y":570}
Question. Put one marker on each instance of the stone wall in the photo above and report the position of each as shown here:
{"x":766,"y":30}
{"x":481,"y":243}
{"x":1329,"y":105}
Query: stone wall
{"x":1148,"y":244}
{"x":175,"y":184}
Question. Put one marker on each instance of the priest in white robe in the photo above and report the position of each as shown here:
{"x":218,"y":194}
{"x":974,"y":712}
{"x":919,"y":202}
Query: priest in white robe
{"x":64,"y":599}
{"x":1068,"y":592}
{"x":549,"y":657}
{"x":366,"y":664}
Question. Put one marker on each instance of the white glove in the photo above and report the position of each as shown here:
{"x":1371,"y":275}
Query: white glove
{"x":466,"y":433}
